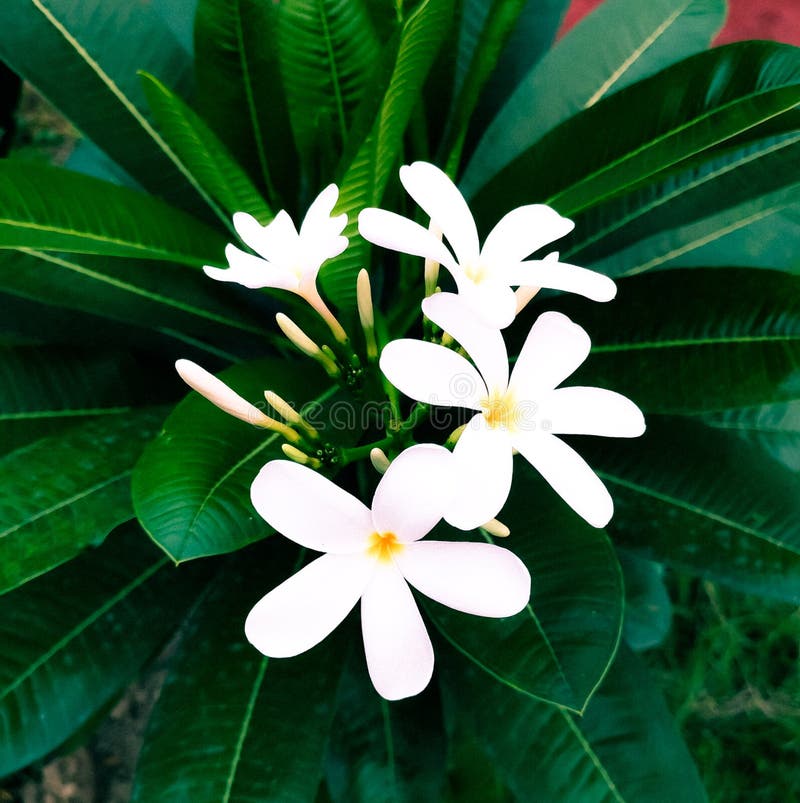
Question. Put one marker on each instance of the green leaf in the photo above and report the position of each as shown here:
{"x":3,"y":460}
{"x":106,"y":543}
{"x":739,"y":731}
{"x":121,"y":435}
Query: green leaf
{"x":625,"y":749}
{"x":67,"y":491}
{"x":240,"y":90}
{"x":638,"y":40}
{"x":561,"y":645}
{"x":703,"y":499}
{"x":365,"y":179}
{"x":327,"y":51}
{"x":73,"y":639}
{"x":202,"y":154}
{"x":44,"y":390}
{"x":191,"y":489}
{"x":231,"y":724}
{"x":626,"y":138}
{"x":73,"y":53}
{"x":38,"y":210}
{"x":383,"y":752}
{"x":648,"y":609}
{"x":712,"y":348}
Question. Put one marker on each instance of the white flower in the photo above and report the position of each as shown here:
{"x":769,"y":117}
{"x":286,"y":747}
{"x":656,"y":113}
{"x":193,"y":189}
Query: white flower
{"x":373,"y":556}
{"x":288,"y":259}
{"x":524,"y":412}
{"x":484,"y":276}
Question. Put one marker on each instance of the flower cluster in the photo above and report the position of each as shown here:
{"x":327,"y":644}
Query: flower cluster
{"x":374,"y":555}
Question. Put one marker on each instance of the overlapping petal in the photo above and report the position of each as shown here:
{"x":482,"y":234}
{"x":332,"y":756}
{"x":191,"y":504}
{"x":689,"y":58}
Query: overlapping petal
{"x":569,"y":475}
{"x":591,"y":411}
{"x":561,"y":276}
{"x":476,"y":578}
{"x":412,"y":495}
{"x":275,"y":242}
{"x":252,"y":271}
{"x":493,"y":301}
{"x":432,"y":374}
{"x":304,"y":609}
{"x":521,"y":232}
{"x":309,"y":509}
{"x":396,"y":643}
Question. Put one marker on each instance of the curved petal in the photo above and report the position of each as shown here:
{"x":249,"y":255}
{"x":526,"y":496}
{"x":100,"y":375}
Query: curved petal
{"x":476,"y":578}
{"x":561,"y":276}
{"x":276,"y":242}
{"x":441,"y":200}
{"x":302,"y":610}
{"x":412,"y":495}
{"x":484,"y":465}
{"x":493,"y":301}
{"x":553,"y":350}
{"x":521,"y":232}
{"x":433,"y":374}
{"x":321,"y":234}
{"x":591,"y":411}
{"x":569,"y":475}
{"x":319,"y":213}
{"x":309,"y":509}
{"x":396,"y":643}
{"x":398,"y":233}
{"x":252,"y":271}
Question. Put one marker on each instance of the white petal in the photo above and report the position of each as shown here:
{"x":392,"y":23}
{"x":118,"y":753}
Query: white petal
{"x":252,"y":271}
{"x":493,"y":301}
{"x":320,"y":233}
{"x":523,"y":231}
{"x":591,"y":411}
{"x":302,"y":610}
{"x":413,"y":493}
{"x":433,"y":374}
{"x":476,"y":578}
{"x":569,"y":475}
{"x":309,"y":509}
{"x":319,"y":213}
{"x":445,"y":205}
{"x":553,"y":350}
{"x":276,"y":242}
{"x":396,"y":643}
{"x":398,"y":233}
{"x":484,"y":465}
{"x":219,"y":394}
{"x":562,"y":276}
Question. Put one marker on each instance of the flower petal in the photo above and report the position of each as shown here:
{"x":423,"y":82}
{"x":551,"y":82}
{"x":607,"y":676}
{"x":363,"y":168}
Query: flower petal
{"x":521,"y":232}
{"x":309,"y":509}
{"x":553,"y":350}
{"x":396,"y":643}
{"x":398,"y":233}
{"x":591,"y":411}
{"x":484,"y":465}
{"x":413,"y":493}
{"x":481,"y":579}
{"x":484,"y":344}
{"x":441,"y":200}
{"x":252,"y":271}
{"x":276,"y":242}
{"x":569,"y":475}
{"x":561,"y":276}
{"x":433,"y":374}
{"x":302,"y":610}
{"x":493,"y":301}
{"x":320,"y":233}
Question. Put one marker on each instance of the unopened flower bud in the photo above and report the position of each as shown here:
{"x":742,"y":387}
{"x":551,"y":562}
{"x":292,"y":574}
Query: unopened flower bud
{"x":366,"y":313}
{"x":380,"y":462}
{"x":293,"y":453}
{"x":300,"y":339}
{"x":496,"y":528}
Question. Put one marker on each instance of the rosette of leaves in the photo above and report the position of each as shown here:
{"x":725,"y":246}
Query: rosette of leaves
{"x":680,"y":166}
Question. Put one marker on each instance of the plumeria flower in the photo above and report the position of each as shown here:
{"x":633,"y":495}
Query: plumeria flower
{"x":524,"y":412}
{"x":373,"y":556}
{"x":287,"y":259}
{"x":484,"y":276}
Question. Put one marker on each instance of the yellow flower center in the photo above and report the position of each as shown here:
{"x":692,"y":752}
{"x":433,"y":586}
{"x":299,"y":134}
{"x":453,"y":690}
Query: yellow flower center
{"x":476,"y":272}
{"x":382,"y":546}
{"x":500,"y":410}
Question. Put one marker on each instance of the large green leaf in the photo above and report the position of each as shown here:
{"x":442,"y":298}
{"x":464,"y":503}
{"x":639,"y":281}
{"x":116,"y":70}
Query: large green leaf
{"x":694,"y":340}
{"x":327,"y":51}
{"x":49,"y":208}
{"x":74,"y":54}
{"x":648,"y":609}
{"x":629,"y":137}
{"x":202,"y":154}
{"x":626,"y":749}
{"x":67,"y":491}
{"x":230,"y":724}
{"x":365,"y":179}
{"x":637,"y":40}
{"x":240,"y":90}
{"x":43,"y":390}
{"x":561,"y":645}
{"x":705,"y":500}
{"x":74,"y":638}
{"x":191,"y":489}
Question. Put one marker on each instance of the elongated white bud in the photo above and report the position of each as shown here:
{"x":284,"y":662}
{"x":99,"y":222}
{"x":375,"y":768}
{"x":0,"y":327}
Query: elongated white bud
{"x":431,"y":266}
{"x":380,"y":462}
{"x":306,"y":344}
{"x":288,"y":413}
{"x":293,"y":453}
{"x":496,"y":528}
{"x":366,"y":313}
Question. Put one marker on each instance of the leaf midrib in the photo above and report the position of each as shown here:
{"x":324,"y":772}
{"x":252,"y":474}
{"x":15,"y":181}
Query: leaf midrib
{"x":693,"y":342}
